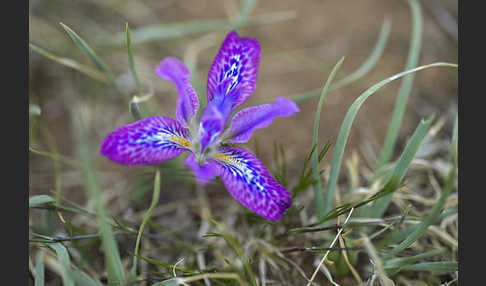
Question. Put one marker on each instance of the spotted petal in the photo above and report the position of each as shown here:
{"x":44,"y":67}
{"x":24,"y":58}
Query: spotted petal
{"x":148,"y":141}
{"x":249,"y":119}
{"x":250,"y":183}
{"x":234,"y":70}
{"x":187,"y":103}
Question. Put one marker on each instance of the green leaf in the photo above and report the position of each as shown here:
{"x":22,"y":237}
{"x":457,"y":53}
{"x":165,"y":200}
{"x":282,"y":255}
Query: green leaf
{"x":40,"y":200}
{"x":404,"y":261}
{"x":406,"y":85}
{"x":394,"y":179}
{"x":84,"y":47}
{"x":318,"y":196}
{"x":132,"y":62}
{"x":439,"y":266}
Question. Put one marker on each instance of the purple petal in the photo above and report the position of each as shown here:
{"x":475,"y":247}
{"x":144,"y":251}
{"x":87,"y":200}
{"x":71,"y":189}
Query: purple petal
{"x":234,"y":70}
{"x":213,"y":120}
{"x":187,"y":103}
{"x":148,"y":141}
{"x":250,"y":183}
{"x":249,"y":119}
{"x":204,"y":172}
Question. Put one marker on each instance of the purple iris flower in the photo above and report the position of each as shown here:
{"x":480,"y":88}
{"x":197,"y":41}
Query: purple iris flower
{"x":231,"y":80}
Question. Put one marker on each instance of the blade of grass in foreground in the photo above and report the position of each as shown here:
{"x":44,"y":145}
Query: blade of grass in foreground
{"x":346,"y":127}
{"x":83,"y":46}
{"x":393,"y":181}
{"x":406,"y":85}
{"x":318,"y":196}
{"x":114,"y":267}
{"x":64,"y":261}
{"x":39,"y":268}
{"x":367,"y":65}
{"x":155,"y":200}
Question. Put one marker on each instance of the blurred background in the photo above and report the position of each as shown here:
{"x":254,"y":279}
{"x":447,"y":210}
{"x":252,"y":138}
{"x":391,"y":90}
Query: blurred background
{"x":301,"y":41}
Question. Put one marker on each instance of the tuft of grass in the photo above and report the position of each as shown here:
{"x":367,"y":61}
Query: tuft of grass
{"x":346,"y":127}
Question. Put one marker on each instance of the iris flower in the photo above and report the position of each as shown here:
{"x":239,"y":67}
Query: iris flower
{"x":231,"y":80}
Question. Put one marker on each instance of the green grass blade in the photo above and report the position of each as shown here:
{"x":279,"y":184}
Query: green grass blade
{"x":404,"y":261}
{"x":318,"y":195}
{"x":64,"y":261}
{"x":40,"y":200}
{"x":246,"y":8}
{"x":112,"y":256}
{"x":82,"y":278}
{"x":83,"y":46}
{"x":177,"y":30}
{"x":367,"y":65}
{"x":436,"y":210}
{"x":438,"y":266}
{"x":378,"y":208}
{"x":133,"y":106}
{"x":132,"y":62}
{"x":39,"y":268}
{"x":346,"y":127}
{"x":155,"y":200}
{"x":406,"y":85}
{"x":92,"y":73}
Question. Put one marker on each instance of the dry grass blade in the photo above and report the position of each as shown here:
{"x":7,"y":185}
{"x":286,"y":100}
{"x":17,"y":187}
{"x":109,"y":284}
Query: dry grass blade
{"x":332,"y":244}
{"x":94,"y":74}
